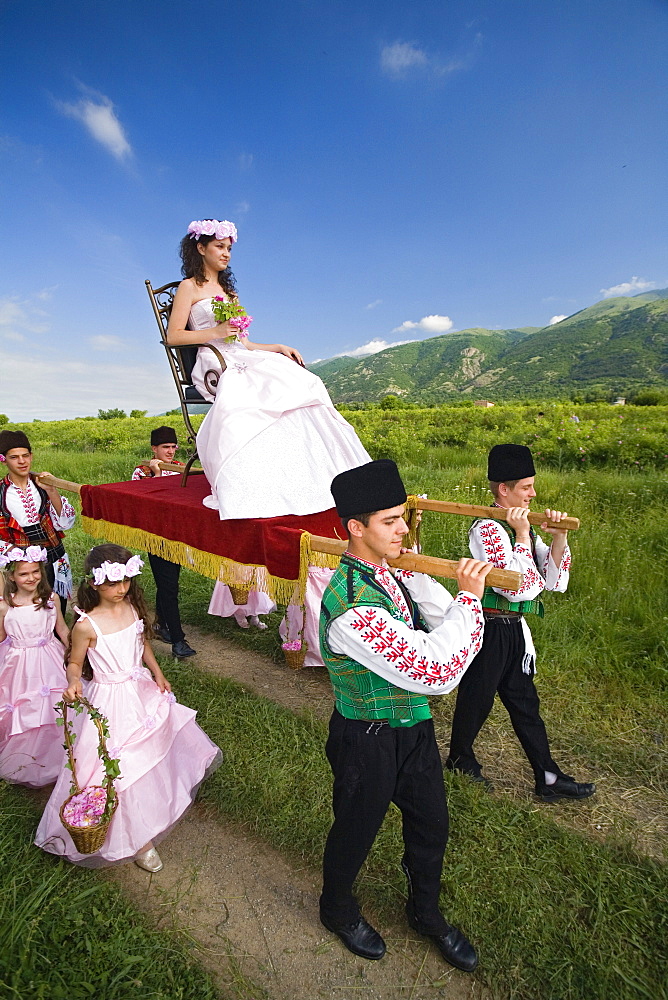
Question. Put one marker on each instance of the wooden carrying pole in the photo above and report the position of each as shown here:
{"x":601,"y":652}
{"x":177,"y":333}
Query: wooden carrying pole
{"x":504,"y":578}
{"x":498,"y":513}
{"x":60,"y":484}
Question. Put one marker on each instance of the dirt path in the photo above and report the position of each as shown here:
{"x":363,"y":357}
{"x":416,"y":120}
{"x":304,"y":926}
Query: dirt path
{"x":253,"y":919}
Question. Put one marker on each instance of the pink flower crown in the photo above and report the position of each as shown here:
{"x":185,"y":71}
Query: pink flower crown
{"x":33,"y":553}
{"x":212,"y":227}
{"x":114,"y":572}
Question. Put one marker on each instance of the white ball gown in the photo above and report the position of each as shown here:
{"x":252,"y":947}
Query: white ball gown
{"x":272,"y":442}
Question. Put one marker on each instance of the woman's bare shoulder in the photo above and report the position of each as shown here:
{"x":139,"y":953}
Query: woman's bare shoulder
{"x":187,"y":289}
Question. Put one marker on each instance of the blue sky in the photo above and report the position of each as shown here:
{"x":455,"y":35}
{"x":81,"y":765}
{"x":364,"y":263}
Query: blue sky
{"x":395,"y":171}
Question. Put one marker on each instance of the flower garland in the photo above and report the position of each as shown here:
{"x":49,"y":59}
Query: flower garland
{"x":33,"y":553}
{"x":212,"y":227}
{"x":84,"y":804}
{"x":113,"y":572}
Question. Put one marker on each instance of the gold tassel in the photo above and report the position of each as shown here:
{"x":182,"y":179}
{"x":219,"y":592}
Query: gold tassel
{"x":246,"y":575}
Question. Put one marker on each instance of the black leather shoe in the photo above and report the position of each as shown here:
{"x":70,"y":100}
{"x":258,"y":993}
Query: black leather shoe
{"x":161,"y":632}
{"x":181,"y":649}
{"x":564,"y":788}
{"x":359,"y":937}
{"x":453,"y":946}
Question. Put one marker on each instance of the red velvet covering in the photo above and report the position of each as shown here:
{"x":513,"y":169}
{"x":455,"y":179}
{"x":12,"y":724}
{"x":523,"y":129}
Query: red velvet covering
{"x":162,"y":507}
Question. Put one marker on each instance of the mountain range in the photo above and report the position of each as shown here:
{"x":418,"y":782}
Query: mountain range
{"x":618,"y":345}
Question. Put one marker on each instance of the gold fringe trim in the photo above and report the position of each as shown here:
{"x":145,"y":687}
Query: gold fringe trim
{"x":246,"y":575}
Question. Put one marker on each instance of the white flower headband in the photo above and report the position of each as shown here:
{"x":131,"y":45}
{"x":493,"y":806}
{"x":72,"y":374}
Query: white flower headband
{"x":212,"y":227}
{"x":33,"y":553}
{"x":113,"y":572}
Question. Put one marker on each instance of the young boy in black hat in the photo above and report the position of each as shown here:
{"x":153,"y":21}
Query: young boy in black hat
{"x":166,"y":574}
{"x":388,"y":640}
{"x":506,"y":662}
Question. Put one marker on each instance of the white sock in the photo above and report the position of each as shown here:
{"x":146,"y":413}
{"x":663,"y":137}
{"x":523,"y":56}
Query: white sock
{"x":550,"y":778}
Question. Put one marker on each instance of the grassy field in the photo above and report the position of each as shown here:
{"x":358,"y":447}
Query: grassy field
{"x":66,"y":934}
{"x":565,"y":903}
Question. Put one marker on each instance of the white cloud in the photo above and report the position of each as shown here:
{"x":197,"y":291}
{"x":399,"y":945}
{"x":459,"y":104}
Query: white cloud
{"x":398,"y":58}
{"x":557,"y":319}
{"x":96,"y":112}
{"x":372,"y":305}
{"x":21,"y":315}
{"x":428,"y":324}
{"x":372,"y":347}
{"x":57,"y":389}
{"x":245,"y":161}
{"x":104,"y":342}
{"x":634,"y":286}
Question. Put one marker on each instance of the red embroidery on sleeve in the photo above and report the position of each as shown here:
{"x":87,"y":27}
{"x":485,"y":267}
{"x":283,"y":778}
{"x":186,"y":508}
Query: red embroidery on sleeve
{"x":493,"y":544}
{"x":377,"y":632}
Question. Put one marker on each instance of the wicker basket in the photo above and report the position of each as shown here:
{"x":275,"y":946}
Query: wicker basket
{"x":240,"y":595}
{"x":295,"y":657}
{"x":88,"y":839}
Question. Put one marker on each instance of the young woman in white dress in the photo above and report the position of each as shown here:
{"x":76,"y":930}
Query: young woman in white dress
{"x":272,"y":442}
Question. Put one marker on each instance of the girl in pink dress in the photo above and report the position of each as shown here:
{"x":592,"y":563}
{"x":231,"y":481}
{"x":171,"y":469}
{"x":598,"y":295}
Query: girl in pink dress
{"x":32,"y":670}
{"x":163,"y":754}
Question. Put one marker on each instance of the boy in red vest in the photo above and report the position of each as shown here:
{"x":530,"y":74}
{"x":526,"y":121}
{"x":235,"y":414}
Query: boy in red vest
{"x":32,"y":513}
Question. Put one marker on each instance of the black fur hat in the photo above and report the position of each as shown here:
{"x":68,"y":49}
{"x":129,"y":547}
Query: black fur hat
{"x":507,"y":462}
{"x":13,"y":439}
{"x":368,"y":488}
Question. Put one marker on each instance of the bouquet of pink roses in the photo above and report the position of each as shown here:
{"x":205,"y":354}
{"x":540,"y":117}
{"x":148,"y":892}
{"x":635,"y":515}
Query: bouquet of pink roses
{"x":237,"y":316}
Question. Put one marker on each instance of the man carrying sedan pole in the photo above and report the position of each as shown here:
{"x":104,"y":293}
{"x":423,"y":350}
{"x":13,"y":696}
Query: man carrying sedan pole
{"x":506,"y":662}
{"x":388,"y":640}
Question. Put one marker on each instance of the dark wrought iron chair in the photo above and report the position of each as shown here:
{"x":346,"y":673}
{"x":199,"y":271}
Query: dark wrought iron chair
{"x":181,"y":363}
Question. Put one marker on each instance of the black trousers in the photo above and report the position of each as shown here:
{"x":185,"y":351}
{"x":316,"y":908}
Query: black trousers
{"x":498,"y":667}
{"x":166,"y":576}
{"x":374,"y":764}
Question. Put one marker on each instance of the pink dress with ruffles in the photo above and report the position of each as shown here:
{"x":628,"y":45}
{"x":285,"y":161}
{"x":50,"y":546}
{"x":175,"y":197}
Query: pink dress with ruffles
{"x":32,"y":678}
{"x":164,"y":755}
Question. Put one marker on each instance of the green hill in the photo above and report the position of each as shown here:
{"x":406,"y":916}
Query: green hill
{"x":618,"y":345}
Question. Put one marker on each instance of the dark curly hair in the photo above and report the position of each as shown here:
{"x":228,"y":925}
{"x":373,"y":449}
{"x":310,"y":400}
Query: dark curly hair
{"x":192,"y":265}
{"x":88,"y":597}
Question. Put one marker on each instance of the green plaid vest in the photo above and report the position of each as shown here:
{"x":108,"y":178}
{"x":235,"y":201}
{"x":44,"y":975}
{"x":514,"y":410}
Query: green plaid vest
{"x":358,"y":692}
{"x":490,"y":599}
